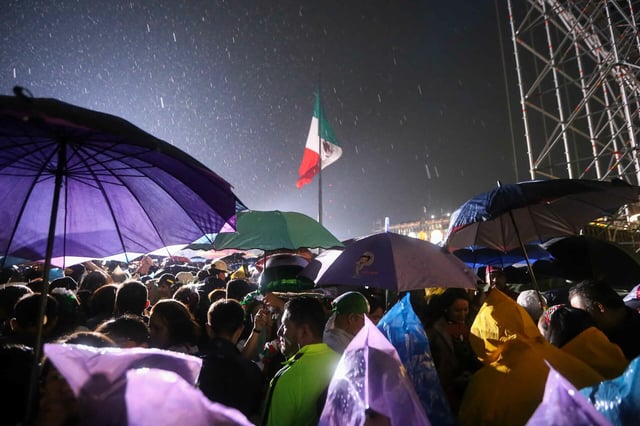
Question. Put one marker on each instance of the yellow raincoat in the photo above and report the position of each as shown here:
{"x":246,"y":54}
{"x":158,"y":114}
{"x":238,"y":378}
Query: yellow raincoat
{"x":510,"y":385}
{"x":593,"y":347}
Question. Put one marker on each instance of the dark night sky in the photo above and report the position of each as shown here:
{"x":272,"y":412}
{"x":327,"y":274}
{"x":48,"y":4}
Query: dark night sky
{"x":414,"y":90}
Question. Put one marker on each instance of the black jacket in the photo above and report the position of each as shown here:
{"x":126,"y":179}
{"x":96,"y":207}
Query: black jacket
{"x":228,"y":378}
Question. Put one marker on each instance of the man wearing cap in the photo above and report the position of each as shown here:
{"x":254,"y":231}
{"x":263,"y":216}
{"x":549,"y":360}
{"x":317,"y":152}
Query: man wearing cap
{"x":216,"y":278}
{"x":346,"y":320}
{"x":166,"y":284}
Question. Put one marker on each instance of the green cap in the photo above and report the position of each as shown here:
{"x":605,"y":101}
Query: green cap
{"x":350,"y":302}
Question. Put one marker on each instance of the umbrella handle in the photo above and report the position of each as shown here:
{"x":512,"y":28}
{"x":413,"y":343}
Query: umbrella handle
{"x":543,"y":304}
{"x":534,"y":282}
{"x":37,"y":350}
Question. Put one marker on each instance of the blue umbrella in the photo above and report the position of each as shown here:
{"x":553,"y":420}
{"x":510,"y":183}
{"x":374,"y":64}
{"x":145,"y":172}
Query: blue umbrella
{"x":510,"y":216}
{"x":534,"y":212}
{"x":486,"y":256}
{"x":84,"y":183}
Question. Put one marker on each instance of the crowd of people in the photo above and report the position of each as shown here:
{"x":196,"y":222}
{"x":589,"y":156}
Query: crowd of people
{"x":271,"y":353}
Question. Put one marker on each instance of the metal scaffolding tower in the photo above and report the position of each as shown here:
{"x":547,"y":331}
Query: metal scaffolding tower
{"x":578,"y":73}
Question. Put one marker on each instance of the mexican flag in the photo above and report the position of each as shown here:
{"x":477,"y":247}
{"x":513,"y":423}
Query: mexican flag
{"x":331,"y":150}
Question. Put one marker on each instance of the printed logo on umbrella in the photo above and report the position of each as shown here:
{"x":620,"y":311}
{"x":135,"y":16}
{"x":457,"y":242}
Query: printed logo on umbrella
{"x":366,"y":259}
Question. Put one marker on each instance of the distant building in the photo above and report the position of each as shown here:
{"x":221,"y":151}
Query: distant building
{"x":625,"y":232}
{"x":429,"y":229}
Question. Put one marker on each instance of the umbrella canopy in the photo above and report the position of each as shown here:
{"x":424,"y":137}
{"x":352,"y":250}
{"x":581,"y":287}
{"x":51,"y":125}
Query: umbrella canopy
{"x":395,"y":262}
{"x":534,"y":212}
{"x":581,"y":257}
{"x":476,"y":258}
{"x":97,"y":376}
{"x":275,"y":230}
{"x":205,"y":242}
{"x":371,"y":378}
{"x":145,"y":387}
{"x":94,"y":185}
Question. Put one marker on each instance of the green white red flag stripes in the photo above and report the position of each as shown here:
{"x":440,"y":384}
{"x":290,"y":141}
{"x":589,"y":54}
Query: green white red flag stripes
{"x":331,"y":151}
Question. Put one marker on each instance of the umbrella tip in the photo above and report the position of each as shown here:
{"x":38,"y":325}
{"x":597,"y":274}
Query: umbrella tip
{"x":22,"y":92}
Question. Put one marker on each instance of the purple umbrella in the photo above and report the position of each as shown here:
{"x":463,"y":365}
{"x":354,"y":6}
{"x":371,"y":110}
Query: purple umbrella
{"x":393,"y":262}
{"x":76,"y":182}
{"x":82,"y":183}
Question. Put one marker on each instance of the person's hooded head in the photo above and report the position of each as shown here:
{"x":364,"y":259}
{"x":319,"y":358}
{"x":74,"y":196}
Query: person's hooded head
{"x":504,"y":336}
{"x":500,"y":321}
{"x":530,"y":300}
{"x":516,"y":360}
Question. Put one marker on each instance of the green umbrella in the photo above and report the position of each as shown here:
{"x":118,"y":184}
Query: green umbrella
{"x":275,"y":230}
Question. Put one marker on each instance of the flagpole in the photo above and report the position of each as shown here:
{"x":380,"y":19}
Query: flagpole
{"x":320,"y":118}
